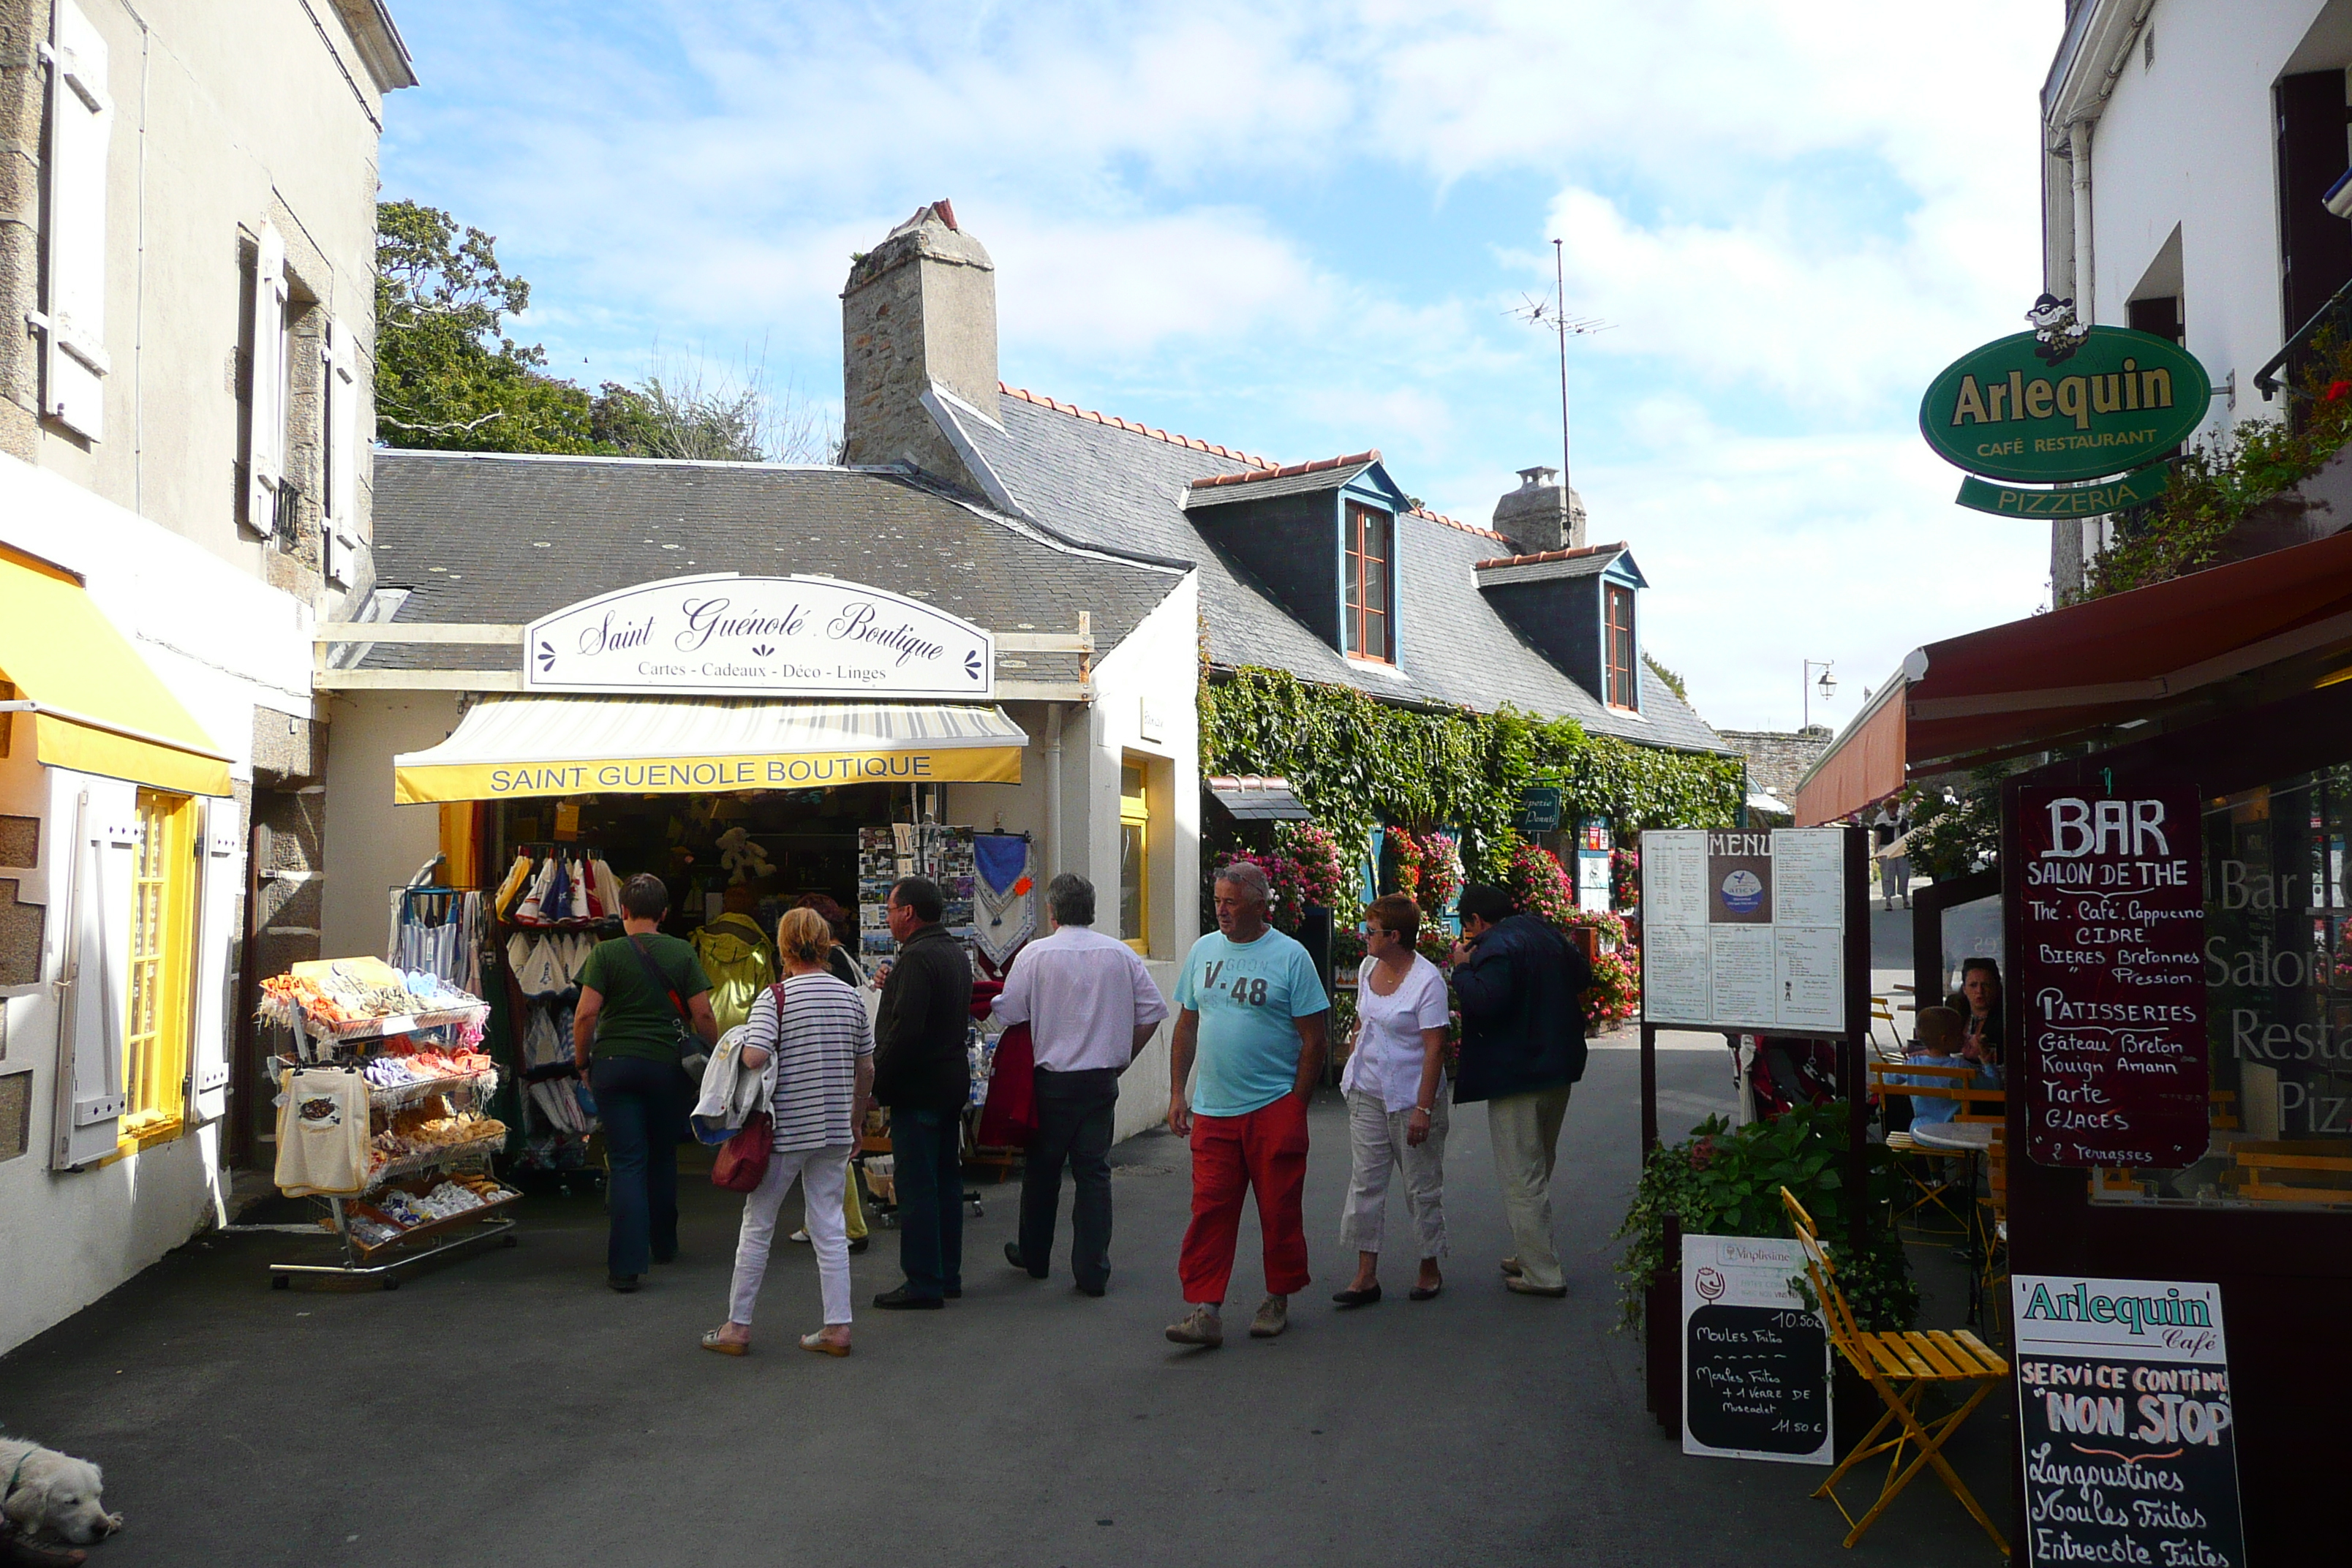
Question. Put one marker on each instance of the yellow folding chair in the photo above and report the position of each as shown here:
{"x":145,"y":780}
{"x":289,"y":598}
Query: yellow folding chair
{"x":1900,"y":1367}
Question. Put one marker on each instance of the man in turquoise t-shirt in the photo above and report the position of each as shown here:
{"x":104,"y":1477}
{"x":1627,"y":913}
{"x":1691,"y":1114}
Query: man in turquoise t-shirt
{"x":1254,"y":1012}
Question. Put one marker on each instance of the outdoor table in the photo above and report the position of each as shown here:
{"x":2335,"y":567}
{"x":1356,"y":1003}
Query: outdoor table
{"x":1966,"y":1135}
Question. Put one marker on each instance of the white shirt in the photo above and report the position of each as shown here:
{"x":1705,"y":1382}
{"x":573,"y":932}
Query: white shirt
{"x":1388,"y":1055}
{"x":1083,"y":996}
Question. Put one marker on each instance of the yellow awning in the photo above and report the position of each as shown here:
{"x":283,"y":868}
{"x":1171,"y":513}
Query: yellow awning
{"x":511,"y":747}
{"x":93,"y":704}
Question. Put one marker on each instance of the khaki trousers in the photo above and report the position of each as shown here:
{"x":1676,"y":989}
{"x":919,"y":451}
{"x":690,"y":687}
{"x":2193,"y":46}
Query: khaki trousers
{"x":1525,"y":1129}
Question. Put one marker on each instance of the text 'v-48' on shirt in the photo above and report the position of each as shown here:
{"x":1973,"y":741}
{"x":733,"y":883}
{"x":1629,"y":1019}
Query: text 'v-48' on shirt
{"x":1249,"y":995}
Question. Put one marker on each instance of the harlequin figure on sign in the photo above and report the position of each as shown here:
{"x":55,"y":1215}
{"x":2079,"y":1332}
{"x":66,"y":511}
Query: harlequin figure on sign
{"x":2059,"y":334}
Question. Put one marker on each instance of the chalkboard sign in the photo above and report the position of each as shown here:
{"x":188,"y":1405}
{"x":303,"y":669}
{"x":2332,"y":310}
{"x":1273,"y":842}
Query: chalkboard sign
{"x":1756,"y":1366}
{"x":2127,"y":1430}
{"x":2109,"y":933}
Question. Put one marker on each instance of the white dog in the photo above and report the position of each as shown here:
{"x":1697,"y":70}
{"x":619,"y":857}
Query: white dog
{"x":48,"y":1490}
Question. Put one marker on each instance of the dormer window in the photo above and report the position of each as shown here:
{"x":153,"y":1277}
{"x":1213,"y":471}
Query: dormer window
{"x":1623,"y":691}
{"x":1370,"y":609}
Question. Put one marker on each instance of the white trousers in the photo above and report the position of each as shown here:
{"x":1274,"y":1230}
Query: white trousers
{"x":823,"y":1173}
{"x":1376,"y":1146}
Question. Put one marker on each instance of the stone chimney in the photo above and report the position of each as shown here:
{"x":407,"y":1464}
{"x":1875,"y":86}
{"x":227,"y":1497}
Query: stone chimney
{"x":919,"y":311}
{"x":1533,"y":518}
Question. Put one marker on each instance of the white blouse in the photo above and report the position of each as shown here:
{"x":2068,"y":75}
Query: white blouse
{"x":1388,"y":1056}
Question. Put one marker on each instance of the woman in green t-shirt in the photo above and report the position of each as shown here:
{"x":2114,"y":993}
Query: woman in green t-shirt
{"x":642,"y":997}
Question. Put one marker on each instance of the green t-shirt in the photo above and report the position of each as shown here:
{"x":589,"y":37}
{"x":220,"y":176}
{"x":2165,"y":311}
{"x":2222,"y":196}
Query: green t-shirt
{"x":637,"y":1019}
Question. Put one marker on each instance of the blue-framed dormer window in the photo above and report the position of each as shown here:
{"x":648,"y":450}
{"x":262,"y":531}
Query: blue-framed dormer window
{"x":1620,"y":648}
{"x":1368,"y":618}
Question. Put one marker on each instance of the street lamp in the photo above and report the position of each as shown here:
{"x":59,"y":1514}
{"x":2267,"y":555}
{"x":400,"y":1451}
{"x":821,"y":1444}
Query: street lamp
{"x":1828,"y":684}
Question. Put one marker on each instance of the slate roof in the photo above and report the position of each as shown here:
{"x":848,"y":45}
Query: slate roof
{"x":495,"y":537}
{"x":1118,"y":485}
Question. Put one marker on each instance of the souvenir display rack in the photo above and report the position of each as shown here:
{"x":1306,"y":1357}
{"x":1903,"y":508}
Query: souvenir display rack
{"x":379,"y":1248}
{"x":551,"y":1148}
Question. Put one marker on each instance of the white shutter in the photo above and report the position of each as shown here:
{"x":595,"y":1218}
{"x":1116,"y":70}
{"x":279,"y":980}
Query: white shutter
{"x":92,"y":985}
{"x":266,"y":405}
{"x":81,"y":115}
{"x":220,"y":868}
{"x":340,"y":363}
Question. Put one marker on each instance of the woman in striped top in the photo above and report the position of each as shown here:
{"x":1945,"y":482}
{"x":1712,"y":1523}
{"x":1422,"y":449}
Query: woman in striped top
{"x":816,"y":1029}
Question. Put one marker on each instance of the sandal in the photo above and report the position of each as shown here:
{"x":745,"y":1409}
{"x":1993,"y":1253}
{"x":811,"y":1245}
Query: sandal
{"x":821,"y":1345}
{"x":711,"y":1341}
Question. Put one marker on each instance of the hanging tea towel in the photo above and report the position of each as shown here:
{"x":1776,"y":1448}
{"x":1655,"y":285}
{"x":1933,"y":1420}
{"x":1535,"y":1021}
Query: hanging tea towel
{"x":322,"y":1133}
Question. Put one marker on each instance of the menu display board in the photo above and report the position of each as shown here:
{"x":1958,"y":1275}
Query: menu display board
{"x":2108,"y":942}
{"x":1756,"y":1360}
{"x":2126,"y":1428}
{"x":1745,"y":931}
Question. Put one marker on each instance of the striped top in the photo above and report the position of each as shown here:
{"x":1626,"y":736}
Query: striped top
{"x":825,"y":1031}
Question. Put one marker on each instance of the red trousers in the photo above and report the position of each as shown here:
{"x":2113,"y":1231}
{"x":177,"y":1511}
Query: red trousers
{"x":1266,"y":1149}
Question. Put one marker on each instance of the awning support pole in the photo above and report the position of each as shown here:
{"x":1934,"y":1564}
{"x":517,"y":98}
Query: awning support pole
{"x":1053,"y":790}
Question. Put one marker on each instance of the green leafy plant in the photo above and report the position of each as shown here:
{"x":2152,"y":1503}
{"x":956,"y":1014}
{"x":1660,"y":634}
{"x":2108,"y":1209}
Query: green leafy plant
{"x":1357,"y":763}
{"x":2215,"y":484}
{"x":1956,"y":828}
{"x":1727,"y":1181}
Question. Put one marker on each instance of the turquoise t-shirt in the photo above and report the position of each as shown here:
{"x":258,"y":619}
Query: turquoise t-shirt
{"x":1247,"y":993}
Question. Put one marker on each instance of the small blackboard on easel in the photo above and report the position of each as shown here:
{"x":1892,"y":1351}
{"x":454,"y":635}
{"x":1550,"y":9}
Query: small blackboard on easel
{"x":1756,"y":1359}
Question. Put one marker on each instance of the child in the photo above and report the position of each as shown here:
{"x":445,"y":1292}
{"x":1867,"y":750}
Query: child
{"x":1934,"y":1043}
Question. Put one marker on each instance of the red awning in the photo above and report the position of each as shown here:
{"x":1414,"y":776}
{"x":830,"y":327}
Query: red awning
{"x":1862,"y":768}
{"x":2051,"y":678}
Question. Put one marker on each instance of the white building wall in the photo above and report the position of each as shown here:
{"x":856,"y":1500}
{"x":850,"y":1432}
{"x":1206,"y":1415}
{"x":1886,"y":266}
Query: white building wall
{"x":2184,"y":142}
{"x":374,"y":845}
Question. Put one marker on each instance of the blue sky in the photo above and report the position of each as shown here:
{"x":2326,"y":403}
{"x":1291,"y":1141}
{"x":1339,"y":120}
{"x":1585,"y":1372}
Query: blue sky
{"x":1299,"y":228}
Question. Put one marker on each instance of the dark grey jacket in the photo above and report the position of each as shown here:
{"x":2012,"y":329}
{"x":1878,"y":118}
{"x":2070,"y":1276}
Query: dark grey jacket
{"x":1522,"y":993}
{"x":919,"y":1060}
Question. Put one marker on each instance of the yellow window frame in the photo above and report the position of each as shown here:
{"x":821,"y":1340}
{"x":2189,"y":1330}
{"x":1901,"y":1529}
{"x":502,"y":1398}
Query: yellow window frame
{"x":159,"y":993}
{"x":1134,"y":811}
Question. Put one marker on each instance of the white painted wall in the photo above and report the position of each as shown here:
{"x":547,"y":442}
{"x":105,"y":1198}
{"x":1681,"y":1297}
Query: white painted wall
{"x":373,"y":846}
{"x":229,"y":648}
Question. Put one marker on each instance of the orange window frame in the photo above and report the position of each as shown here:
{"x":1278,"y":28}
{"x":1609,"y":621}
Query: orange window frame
{"x":1369,"y":546}
{"x":1622,"y":651}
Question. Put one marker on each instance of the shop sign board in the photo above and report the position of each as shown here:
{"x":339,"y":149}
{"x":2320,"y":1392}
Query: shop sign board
{"x":1593,"y":881}
{"x":2109,"y":964}
{"x":2067,"y":500}
{"x":1756,"y":1359}
{"x":1538,"y":809}
{"x":724,"y":634}
{"x":2127,"y":1430}
{"x":2050,"y":406}
{"x":1745,"y":931}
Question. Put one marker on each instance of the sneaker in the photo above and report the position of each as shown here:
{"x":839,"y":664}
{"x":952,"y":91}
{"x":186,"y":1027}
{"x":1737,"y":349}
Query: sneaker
{"x":1519,"y":1285}
{"x":1202,"y":1326}
{"x":1511,"y":1268}
{"x":802,"y":1236}
{"x":1273,"y":1317}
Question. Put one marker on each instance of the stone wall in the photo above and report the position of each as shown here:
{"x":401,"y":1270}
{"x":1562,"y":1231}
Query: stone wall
{"x":1777,"y":759}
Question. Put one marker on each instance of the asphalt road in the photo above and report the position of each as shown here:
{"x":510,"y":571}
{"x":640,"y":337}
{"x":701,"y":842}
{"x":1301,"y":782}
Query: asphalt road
{"x":511,"y":1410}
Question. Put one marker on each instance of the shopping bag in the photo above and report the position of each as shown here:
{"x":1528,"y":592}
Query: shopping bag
{"x":743,"y":1162}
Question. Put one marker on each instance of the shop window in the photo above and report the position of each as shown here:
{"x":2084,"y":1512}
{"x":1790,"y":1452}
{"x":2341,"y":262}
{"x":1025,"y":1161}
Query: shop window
{"x":1366,"y":624}
{"x":2278,"y":951}
{"x":161,"y":960}
{"x":1134,"y":858}
{"x":1623,"y":693}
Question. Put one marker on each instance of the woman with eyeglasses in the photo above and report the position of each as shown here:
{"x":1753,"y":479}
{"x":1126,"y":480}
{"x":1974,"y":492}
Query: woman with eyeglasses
{"x":1395,"y":1085}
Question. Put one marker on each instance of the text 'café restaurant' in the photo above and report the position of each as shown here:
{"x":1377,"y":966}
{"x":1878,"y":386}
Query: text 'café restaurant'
{"x":759,"y":683}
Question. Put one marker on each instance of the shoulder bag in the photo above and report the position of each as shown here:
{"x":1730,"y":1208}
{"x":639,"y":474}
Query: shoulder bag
{"x":742,"y":1161}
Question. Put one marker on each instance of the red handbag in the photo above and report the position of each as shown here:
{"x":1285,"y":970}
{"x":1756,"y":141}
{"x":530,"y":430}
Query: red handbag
{"x":743,"y":1162}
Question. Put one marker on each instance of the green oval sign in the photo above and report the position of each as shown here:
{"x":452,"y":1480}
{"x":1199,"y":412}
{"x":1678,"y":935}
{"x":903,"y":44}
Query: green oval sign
{"x":2019,"y":409}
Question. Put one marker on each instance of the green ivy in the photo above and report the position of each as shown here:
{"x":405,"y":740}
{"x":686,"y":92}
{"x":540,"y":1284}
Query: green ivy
{"x":1356,"y":761}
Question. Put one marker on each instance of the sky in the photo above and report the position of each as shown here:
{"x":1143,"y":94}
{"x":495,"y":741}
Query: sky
{"x":1302,"y":228}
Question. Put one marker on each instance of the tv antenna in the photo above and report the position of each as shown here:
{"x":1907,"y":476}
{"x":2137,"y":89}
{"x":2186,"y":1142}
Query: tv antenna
{"x":1552,"y":316}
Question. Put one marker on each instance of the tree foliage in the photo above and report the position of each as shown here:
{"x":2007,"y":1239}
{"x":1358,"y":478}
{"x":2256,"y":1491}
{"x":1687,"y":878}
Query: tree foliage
{"x":446,"y":377}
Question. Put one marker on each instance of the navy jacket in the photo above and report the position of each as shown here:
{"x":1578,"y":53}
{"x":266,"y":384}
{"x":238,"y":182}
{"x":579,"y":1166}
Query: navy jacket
{"x":1522,"y":993}
{"x":920,"y":1057}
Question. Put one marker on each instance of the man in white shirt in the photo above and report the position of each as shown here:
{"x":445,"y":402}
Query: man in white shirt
{"x":1091,"y":1006}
